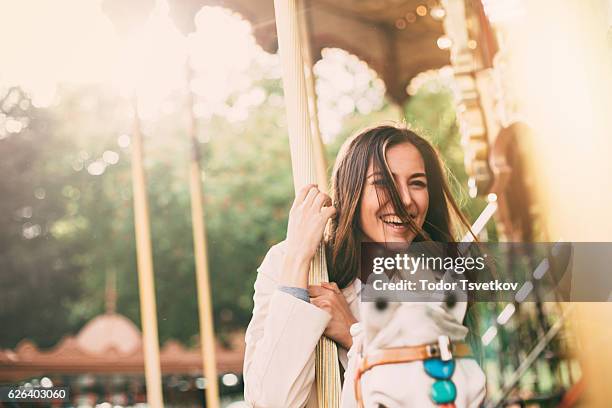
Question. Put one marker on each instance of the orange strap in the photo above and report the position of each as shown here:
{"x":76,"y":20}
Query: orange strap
{"x":406,"y":354}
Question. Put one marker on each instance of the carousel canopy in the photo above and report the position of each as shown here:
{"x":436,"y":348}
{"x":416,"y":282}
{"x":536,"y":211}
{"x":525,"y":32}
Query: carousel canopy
{"x":398,"y":39}
{"x":110,"y":343}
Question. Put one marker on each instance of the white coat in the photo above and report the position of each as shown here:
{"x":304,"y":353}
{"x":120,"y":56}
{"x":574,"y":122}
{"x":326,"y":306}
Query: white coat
{"x":279,"y":361}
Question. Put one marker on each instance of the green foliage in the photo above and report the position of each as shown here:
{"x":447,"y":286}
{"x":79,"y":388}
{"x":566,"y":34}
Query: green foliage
{"x":37,"y":282}
{"x":88,"y":227}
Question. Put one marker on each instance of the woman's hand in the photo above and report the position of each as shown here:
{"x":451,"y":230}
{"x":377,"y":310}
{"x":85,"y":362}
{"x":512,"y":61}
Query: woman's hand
{"x":329,"y":298}
{"x":307,"y":219}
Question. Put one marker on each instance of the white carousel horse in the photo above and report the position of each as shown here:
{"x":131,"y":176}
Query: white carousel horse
{"x":393,"y":345}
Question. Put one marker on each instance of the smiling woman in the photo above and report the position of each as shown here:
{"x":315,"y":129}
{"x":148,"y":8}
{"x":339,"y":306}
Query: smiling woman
{"x":409,"y":178}
{"x":388,"y":185}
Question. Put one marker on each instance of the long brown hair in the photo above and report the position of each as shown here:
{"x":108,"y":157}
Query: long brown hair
{"x":443,"y":218}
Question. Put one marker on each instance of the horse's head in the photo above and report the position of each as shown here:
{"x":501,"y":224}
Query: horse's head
{"x":388,"y":324}
{"x":389,"y":321}
{"x":391,"y":332}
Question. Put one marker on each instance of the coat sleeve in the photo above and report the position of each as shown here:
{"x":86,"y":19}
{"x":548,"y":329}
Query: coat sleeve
{"x":279,"y":360}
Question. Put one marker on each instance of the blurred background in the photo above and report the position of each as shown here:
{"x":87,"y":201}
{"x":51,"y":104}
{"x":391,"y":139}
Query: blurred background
{"x":476,"y":78}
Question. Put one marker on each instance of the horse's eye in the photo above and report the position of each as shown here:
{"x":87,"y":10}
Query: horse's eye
{"x":381,"y":406}
{"x":381,"y":304}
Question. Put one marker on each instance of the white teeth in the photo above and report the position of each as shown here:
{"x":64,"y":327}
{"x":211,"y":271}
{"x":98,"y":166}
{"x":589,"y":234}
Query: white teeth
{"x":394,"y":218}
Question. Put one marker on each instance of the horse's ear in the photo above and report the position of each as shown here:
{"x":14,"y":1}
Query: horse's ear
{"x":450,"y":299}
{"x":381,"y":304}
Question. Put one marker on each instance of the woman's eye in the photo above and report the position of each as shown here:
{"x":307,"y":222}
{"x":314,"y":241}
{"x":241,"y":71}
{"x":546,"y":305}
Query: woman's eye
{"x":416,"y":183}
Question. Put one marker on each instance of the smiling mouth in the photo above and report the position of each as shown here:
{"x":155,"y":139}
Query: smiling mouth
{"x":394,"y":221}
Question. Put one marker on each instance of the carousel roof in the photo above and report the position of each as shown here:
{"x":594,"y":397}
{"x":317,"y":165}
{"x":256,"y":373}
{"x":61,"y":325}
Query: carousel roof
{"x":397,"y":38}
{"x":111,"y":343}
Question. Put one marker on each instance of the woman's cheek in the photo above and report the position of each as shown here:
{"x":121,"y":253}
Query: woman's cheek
{"x":367,"y":218}
{"x":424,"y":207}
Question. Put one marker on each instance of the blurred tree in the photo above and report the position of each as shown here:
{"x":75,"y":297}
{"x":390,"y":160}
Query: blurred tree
{"x":37,"y":281}
{"x":86,"y":220}
{"x":83,"y":169}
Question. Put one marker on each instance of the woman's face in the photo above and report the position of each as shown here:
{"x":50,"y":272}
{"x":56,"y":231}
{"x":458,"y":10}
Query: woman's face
{"x":378,"y":221}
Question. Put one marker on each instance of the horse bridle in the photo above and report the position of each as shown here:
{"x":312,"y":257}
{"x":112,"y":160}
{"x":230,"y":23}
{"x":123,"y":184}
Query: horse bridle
{"x":444,"y":349}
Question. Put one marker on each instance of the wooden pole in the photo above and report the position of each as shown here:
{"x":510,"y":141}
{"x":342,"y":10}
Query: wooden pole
{"x":327,"y":369}
{"x":319,"y":148}
{"x":207,"y":333}
{"x":146,"y":285}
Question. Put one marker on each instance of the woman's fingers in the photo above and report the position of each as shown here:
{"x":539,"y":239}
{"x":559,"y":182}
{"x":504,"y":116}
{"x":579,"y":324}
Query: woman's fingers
{"x":310,"y":197}
{"x":322,"y":303}
{"x":320,"y":200}
{"x":302,"y":192}
{"x":328,"y":297}
{"x":316,"y":290}
{"x":325,"y":289}
{"x":328,"y":212}
{"x":331,"y":286}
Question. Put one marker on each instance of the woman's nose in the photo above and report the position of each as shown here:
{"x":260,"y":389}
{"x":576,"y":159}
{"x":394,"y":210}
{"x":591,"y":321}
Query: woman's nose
{"x":406,"y":197}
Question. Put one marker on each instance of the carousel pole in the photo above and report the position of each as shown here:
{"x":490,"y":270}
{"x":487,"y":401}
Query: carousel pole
{"x":327,"y":368}
{"x":319,"y":148}
{"x":144,"y":255}
{"x":126,"y":20}
{"x":207,"y":334}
